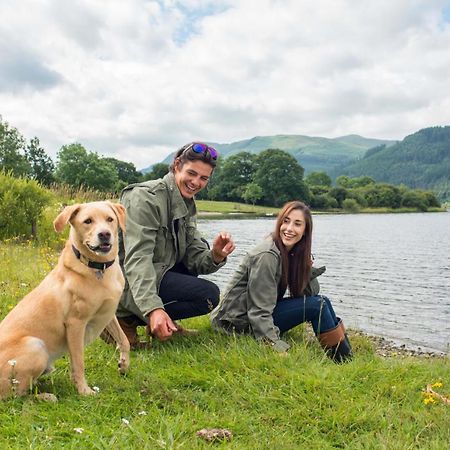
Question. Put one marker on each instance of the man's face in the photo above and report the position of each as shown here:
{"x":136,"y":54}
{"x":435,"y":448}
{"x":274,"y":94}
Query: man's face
{"x":192,"y":177}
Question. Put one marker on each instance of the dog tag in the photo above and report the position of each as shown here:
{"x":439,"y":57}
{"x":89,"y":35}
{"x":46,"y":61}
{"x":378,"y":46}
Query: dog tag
{"x":99,"y":274}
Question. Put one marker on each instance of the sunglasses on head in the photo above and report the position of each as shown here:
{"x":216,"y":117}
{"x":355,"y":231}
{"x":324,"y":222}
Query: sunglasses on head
{"x":198,"y":147}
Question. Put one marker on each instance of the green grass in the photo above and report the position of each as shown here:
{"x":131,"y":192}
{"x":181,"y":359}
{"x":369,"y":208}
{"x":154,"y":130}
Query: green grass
{"x":178,"y":387}
{"x":208,"y":206}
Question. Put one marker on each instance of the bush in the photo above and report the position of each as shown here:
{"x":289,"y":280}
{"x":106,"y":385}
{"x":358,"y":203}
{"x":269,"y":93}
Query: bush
{"x":351,"y":205}
{"x":22,"y":202}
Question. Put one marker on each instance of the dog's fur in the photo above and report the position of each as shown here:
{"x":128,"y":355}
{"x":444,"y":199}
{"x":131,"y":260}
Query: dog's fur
{"x":71,"y":306}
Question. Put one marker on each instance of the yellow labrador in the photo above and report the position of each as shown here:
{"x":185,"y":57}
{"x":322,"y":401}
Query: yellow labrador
{"x":71,"y":306}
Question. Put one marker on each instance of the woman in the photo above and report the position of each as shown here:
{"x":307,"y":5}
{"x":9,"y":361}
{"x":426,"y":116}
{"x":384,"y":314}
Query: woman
{"x":162,"y":252}
{"x":256,"y":302}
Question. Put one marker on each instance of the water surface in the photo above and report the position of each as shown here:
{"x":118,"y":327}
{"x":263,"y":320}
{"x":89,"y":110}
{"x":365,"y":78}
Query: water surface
{"x":387,"y":274}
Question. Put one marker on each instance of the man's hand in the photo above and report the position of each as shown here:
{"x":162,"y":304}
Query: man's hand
{"x":161,"y":325}
{"x":223,"y":245}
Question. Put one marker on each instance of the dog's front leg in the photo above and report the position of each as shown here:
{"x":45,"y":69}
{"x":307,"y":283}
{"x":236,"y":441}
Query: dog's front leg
{"x":123,"y":345}
{"x":75,"y":331}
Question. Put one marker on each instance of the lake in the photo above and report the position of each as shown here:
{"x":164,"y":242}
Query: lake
{"x":387,"y":274}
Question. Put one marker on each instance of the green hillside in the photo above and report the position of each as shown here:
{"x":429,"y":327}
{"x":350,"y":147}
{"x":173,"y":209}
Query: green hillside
{"x":313,"y":153}
{"x":421,"y":160}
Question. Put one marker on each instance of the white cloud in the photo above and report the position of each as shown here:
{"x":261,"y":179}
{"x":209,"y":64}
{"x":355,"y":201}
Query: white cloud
{"x":138,"y":79}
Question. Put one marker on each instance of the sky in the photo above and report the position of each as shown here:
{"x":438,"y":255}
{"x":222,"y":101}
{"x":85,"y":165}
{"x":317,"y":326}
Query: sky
{"x":137,"y":79}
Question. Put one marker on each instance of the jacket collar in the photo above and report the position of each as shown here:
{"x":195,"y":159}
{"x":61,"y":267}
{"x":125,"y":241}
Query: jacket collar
{"x":180,"y":206}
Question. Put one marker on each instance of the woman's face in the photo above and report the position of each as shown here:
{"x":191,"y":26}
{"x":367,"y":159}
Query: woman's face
{"x":192,"y":177}
{"x":292,"y":228}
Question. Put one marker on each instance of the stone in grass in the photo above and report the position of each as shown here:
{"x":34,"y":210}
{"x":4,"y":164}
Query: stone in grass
{"x":215,"y":434}
{"x":47,"y":397}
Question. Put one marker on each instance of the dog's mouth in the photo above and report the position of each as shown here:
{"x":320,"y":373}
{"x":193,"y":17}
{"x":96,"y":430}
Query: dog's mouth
{"x":102,"y":248}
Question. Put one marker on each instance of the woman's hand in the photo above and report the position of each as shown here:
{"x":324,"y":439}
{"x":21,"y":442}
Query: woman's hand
{"x":223,"y":245}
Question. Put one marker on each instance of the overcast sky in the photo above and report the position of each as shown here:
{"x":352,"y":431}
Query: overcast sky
{"x":137,"y":79}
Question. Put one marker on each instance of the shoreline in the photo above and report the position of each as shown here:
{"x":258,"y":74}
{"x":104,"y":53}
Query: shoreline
{"x":389,"y":349}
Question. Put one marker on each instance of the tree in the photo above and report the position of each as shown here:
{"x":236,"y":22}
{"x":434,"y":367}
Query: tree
{"x":126,"y":171}
{"x":237,"y":171}
{"x":318,"y":179}
{"x":41,"y":164}
{"x":280,"y":177}
{"x":252,"y":193}
{"x":12,"y":144}
{"x":158,"y":171}
{"x":76,"y":167}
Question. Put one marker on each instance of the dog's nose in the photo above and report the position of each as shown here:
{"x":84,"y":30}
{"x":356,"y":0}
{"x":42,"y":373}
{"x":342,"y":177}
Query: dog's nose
{"x":104,"y":236}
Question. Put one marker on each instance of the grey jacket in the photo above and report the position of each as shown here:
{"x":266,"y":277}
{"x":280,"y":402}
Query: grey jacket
{"x":161,"y":231}
{"x":251,"y":295}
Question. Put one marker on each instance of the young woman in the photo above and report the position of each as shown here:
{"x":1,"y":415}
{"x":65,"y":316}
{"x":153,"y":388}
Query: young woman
{"x":275,"y":289}
{"x":162,"y":252}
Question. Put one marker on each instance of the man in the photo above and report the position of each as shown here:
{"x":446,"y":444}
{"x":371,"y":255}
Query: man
{"x":162,"y":251}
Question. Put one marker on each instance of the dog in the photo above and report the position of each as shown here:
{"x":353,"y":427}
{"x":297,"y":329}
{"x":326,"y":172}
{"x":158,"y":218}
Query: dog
{"x":74,"y":303}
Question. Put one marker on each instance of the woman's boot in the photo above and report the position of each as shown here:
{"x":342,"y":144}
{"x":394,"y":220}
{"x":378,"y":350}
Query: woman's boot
{"x":336,"y":344}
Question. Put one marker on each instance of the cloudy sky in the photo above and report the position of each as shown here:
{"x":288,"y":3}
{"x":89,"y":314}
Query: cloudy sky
{"x":137,"y":79}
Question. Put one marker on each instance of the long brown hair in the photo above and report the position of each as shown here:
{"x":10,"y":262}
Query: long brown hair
{"x":296,"y":263}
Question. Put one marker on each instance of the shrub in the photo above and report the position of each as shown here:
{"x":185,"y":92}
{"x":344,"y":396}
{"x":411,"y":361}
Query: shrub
{"x":351,"y":205}
{"x":22,"y":202}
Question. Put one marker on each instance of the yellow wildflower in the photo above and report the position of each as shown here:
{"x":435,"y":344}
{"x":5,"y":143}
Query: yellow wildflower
{"x":429,"y":400}
{"x":438,"y":384}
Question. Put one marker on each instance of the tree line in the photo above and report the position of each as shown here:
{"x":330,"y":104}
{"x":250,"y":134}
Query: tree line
{"x":269,"y":178}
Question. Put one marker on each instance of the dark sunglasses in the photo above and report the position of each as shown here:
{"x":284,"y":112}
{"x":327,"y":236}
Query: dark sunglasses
{"x":198,"y":147}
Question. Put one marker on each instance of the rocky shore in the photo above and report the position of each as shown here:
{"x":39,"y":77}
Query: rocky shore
{"x":389,"y":349}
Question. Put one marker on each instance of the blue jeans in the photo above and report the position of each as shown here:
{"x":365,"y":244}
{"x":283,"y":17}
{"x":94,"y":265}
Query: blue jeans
{"x":290,"y":312}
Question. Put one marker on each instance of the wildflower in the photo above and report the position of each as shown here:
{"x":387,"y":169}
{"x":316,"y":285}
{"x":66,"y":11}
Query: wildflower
{"x":12,"y":362}
{"x":438,"y":384}
{"x":142,"y":413}
{"x":78,"y":430}
{"x":125,"y":421}
{"x":429,"y":400}
{"x":96,"y":389}
{"x":14,"y":381}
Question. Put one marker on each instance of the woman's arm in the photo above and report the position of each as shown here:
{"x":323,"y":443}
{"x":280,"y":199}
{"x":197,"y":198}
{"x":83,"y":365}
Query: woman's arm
{"x":262,"y":298}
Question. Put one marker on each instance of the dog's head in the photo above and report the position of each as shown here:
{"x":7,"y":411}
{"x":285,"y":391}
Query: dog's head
{"x":94,"y":226}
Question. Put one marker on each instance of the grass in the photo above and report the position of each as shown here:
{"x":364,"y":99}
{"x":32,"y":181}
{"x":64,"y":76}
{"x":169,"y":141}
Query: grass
{"x":178,"y":387}
{"x":208,"y":206}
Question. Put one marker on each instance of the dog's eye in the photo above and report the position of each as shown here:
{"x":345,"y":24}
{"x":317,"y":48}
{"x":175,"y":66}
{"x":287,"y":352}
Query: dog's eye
{"x":110,"y":219}
{"x":88,"y":221}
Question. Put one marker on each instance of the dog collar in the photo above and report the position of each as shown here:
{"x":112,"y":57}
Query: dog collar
{"x":101,"y":267}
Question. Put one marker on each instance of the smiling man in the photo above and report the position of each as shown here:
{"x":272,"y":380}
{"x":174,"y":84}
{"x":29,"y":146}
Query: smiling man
{"x":162,"y":251}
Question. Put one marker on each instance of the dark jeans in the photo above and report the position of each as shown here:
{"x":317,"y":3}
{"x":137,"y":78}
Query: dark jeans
{"x":318,"y":310}
{"x":185,"y":295}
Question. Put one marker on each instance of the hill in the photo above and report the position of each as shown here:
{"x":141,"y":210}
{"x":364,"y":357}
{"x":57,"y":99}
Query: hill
{"x":313,"y":153}
{"x":421,"y":160}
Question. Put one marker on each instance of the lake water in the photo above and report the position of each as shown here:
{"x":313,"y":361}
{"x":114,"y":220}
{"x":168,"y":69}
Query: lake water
{"x":387,"y":274}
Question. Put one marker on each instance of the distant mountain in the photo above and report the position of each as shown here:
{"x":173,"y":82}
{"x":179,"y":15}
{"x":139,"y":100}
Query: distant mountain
{"x":421,"y":160}
{"x":313,"y":153}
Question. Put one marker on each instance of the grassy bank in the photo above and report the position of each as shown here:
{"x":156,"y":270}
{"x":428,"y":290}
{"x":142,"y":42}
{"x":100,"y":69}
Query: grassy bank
{"x":212,"y":381}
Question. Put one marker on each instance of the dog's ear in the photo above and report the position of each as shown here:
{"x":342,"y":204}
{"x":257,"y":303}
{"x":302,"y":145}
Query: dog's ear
{"x":64,"y":217}
{"x":120,"y":213}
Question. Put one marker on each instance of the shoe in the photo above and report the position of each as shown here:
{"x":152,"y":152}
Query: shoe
{"x":336,"y":344}
{"x":129,"y":327}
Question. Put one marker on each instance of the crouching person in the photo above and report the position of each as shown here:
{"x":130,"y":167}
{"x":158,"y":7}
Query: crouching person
{"x":256,"y":302}
{"x":162,"y":252}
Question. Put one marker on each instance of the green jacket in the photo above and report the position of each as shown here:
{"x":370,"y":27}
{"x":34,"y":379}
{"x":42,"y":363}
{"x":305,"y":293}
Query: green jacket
{"x":161,"y":230}
{"x":251,"y":295}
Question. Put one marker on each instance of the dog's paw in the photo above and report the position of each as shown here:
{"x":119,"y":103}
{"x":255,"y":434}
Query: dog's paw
{"x":124,"y":364}
{"x":86,"y":390}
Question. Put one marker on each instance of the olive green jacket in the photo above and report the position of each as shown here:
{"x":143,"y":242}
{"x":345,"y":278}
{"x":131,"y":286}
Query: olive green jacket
{"x":251,"y":295}
{"x":161,"y":231}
